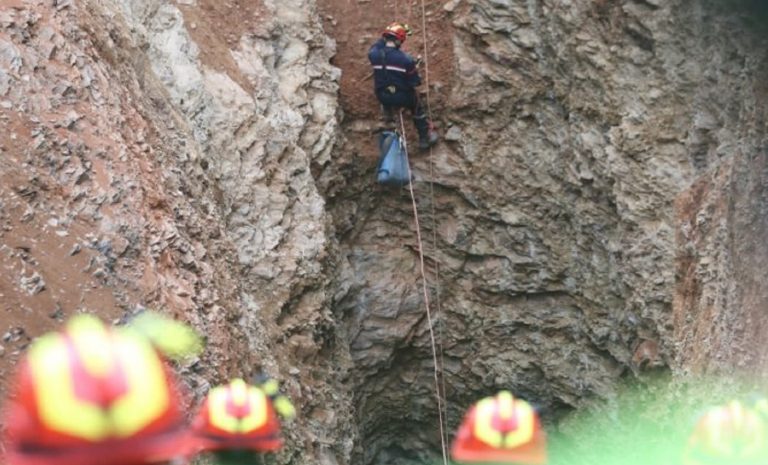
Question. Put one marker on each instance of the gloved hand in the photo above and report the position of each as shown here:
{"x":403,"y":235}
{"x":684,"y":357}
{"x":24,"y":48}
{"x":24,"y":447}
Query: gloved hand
{"x":418,"y":60}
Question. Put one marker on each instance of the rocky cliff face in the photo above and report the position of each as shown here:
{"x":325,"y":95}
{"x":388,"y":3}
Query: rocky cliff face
{"x":720,"y":299}
{"x":153,"y":156}
{"x":571,"y":129}
{"x":215,"y":160}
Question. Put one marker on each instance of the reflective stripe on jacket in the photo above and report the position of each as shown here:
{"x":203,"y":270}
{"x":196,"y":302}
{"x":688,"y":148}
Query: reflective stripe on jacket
{"x":392,"y":67}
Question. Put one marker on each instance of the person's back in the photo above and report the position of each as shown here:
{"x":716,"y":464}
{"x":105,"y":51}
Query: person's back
{"x":395,"y":78}
{"x":392,"y":67}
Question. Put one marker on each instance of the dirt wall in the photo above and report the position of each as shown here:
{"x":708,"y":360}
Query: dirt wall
{"x":594,"y":208}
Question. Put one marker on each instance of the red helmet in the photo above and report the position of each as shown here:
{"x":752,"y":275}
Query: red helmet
{"x":397,"y":31}
{"x":92,"y":395}
{"x":237,"y":416}
{"x":728,"y":434}
{"x":500,"y":429}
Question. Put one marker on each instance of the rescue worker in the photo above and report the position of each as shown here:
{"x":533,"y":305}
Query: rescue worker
{"x":730,"y":434}
{"x":500,"y":429}
{"x":93,"y":395}
{"x":395,"y":78}
{"x":238,"y":421}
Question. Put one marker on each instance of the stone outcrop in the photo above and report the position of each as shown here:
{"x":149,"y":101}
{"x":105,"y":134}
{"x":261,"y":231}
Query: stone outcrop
{"x":570,"y":131}
{"x":595,"y":207}
{"x":720,"y":299}
{"x":168,"y":165}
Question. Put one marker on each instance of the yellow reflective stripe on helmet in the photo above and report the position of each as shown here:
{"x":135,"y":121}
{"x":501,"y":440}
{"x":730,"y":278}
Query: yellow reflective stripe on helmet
{"x":145,"y":399}
{"x":239,"y":391}
{"x":506,"y":407}
{"x":58,"y":407}
{"x":241,"y":394}
{"x":217,"y":410}
{"x":258,"y":415}
{"x":90,"y":337}
{"x":484,"y":430}
{"x":525,"y":426}
{"x":148,"y":395}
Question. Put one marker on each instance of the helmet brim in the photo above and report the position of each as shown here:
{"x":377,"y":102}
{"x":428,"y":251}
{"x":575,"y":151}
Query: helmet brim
{"x":472,"y":451}
{"x":267,"y":443}
{"x":142,"y":450}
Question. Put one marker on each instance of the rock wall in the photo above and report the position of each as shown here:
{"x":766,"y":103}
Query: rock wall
{"x":570,"y":128}
{"x":155,"y":156}
{"x":720,"y":299}
{"x":99,"y":197}
{"x":207,"y":159}
{"x":262,"y":119}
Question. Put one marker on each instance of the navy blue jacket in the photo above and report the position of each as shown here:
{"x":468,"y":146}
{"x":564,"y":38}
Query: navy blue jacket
{"x":392,"y":66}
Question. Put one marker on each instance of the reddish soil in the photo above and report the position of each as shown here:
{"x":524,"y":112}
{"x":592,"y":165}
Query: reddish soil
{"x":47,"y":270}
{"x":694,"y":310}
{"x":11,"y":3}
{"x":216,"y":27}
{"x":35,"y":239}
{"x":82,"y":243}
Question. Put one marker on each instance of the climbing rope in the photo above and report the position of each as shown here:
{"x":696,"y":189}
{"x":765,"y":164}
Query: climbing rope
{"x":422,"y":268}
{"x":426,"y":59}
{"x":439,"y":365}
{"x":439,"y":376}
{"x":441,"y":317}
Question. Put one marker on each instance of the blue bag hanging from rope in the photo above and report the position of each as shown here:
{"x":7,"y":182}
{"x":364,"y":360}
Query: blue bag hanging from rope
{"x":393,"y":169}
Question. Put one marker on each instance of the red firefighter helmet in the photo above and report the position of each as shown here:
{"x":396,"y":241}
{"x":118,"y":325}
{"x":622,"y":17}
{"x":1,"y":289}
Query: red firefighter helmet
{"x":500,"y":429}
{"x":397,"y":31}
{"x":237,"y":416}
{"x":730,"y":434}
{"x":92,"y":395}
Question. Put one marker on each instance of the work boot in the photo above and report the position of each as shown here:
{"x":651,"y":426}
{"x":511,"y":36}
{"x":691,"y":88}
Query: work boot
{"x":427,"y":134}
{"x":427,"y":139}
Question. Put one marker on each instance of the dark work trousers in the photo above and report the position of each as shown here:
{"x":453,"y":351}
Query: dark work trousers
{"x":407,"y":99}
